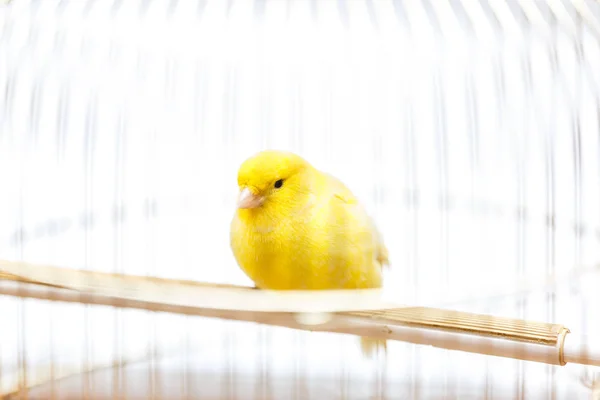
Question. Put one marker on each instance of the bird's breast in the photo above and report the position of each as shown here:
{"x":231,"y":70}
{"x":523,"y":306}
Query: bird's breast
{"x":265,"y":253}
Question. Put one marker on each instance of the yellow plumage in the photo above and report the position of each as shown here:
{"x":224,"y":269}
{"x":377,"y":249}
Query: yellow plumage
{"x":299,"y":228}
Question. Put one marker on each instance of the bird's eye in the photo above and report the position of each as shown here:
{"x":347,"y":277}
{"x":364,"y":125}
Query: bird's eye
{"x":278,"y":184}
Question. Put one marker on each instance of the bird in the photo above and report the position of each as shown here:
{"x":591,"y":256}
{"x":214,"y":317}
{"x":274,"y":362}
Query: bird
{"x":296,"y":227}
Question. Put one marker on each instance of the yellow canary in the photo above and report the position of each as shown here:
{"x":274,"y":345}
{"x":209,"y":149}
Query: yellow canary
{"x":296,"y":227}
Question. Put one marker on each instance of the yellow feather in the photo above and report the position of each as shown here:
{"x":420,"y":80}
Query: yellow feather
{"x":311,"y":233}
{"x":370,"y":346}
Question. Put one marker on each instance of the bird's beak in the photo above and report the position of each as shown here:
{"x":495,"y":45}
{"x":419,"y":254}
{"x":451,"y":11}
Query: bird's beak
{"x":247,"y":199}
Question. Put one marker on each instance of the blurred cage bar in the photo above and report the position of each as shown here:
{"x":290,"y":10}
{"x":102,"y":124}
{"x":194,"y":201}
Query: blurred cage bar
{"x":470,"y":129}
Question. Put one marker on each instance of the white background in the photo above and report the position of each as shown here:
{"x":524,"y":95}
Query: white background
{"x":464,"y":128}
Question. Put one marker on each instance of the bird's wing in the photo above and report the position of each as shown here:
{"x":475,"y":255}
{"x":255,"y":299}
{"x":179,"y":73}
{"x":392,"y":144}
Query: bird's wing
{"x":340,"y":193}
{"x":382,"y":251}
{"x":338,"y":190}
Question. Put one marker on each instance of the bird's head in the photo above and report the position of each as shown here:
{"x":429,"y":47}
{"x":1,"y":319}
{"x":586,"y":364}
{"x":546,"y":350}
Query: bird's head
{"x":272,"y":178}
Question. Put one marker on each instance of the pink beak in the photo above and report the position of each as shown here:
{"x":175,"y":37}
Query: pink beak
{"x":247,"y":199}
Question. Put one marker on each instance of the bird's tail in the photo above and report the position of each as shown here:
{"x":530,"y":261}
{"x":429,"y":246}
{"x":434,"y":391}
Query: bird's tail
{"x":371,"y":346}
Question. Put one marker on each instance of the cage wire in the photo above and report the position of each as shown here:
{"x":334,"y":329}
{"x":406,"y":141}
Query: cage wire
{"x":469,"y":129}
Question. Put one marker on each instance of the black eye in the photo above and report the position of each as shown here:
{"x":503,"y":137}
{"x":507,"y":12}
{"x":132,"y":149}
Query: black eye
{"x":278,"y":184}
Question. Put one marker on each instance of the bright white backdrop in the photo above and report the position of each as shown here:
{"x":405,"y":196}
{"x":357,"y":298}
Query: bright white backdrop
{"x":469,"y":129}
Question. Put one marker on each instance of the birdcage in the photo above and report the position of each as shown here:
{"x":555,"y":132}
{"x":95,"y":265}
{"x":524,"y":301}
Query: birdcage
{"x":469,"y":130}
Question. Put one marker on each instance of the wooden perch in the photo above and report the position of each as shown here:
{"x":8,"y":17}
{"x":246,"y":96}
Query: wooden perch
{"x":356,"y":312}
